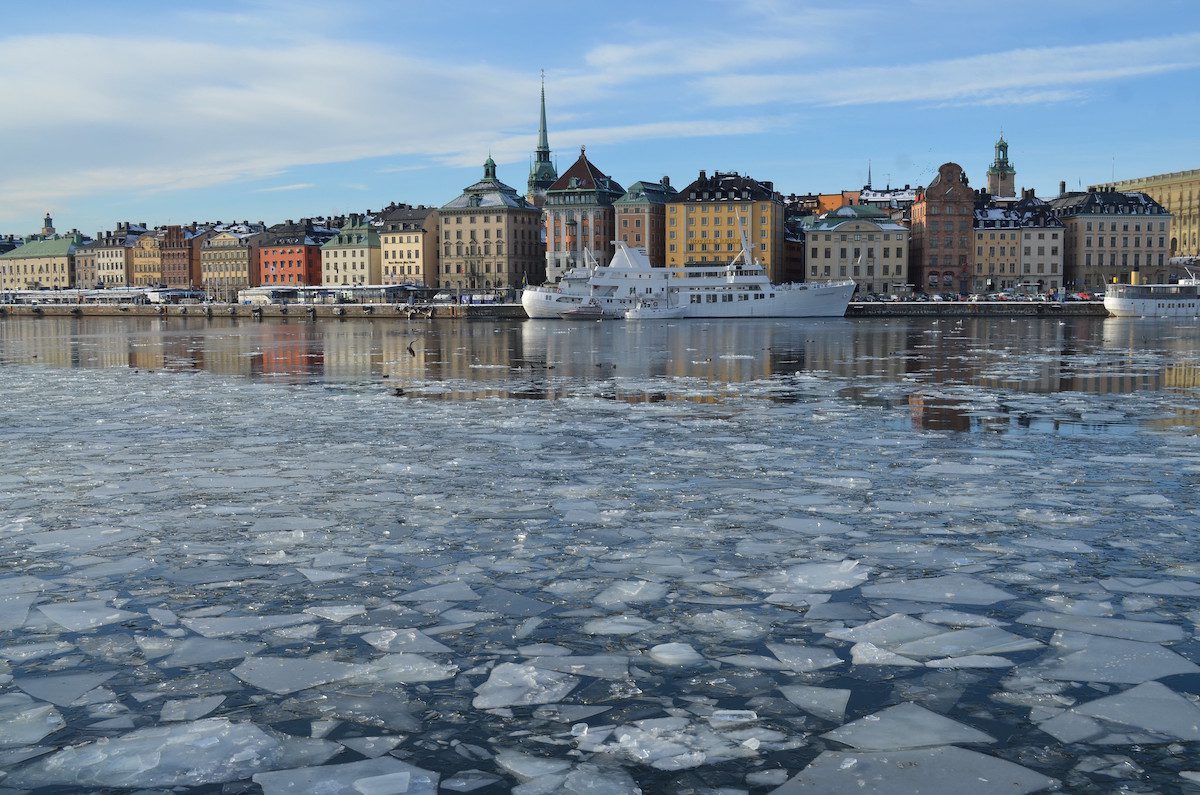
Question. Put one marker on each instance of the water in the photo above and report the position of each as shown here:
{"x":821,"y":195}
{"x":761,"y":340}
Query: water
{"x":687,"y":557}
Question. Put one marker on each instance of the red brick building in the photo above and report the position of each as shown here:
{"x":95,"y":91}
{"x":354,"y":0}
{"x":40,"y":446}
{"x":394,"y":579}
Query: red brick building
{"x":943,"y":233}
{"x":291,"y":253}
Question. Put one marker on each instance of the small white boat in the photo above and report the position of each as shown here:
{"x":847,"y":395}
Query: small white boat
{"x":1154,"y":300}
{"x":589,"y":310}
{"x":654,"y":309}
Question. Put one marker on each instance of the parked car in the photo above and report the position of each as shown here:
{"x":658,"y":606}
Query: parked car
{"x":443,"y":297}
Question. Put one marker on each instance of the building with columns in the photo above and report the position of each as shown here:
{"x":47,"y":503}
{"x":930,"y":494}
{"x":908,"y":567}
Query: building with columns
{"x":1002,"y":177}
{"x":542,"y":173}
{"x":942,"y":233}
{"x":580,"y":216}
{"x":1179,"y":194}
{"x":860,"y":243}
{"x":491,"y":237}
{"x":641,"y":218}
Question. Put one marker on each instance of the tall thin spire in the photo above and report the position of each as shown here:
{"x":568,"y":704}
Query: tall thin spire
{"x":868,"y":172}
{"x":543,"y":147}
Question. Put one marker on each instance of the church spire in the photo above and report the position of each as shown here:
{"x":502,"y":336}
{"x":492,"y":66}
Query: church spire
{"x":543,"y":147}
{"x":542,"y":173}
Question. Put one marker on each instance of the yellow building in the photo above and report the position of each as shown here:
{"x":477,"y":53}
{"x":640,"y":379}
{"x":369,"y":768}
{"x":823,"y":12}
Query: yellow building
{"x":409,"y":245}
{"x":702,"y":222}
{"x":1179,"y":194}
{"x":146,"y":260}
{"x":1108,"y":234}
{"x":352,"y":256}
{"x":40,"y":263}
{"x":860,"y":243}
{"x":229,"y":261}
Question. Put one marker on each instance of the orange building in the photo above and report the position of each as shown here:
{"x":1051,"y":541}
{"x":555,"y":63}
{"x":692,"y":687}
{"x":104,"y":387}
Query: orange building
{"x":291,"y":253}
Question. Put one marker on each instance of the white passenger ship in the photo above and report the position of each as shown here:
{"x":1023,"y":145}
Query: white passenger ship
{"x":1154,"y":300}
{"x":629,"y":287}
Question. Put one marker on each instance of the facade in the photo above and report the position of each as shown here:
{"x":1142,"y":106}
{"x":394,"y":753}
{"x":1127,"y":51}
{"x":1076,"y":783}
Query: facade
{"x":114,"y":254}
{"x":353,"y":255}
{"x":290,"y":253}
{"x":942,"y":233}
{"x":229,"y":261}
{"x":542,"y":173}
{"x":491,"y":237}
{"x":85,"y":275}
{"x":146,"y":260}
{"x":702,"y":222}
{"x":46,"y":263}
{"x":1179,"y":194}
{"x":1017,"y":245}
{"x":896,"y":202}
{"x":180,"y":255}
{"x":580,"y":216}
{"x":1110,"y":233}
{"x":860,"y":243}
{"x":409,"y":245}
{"x":641,"y":218}
{"x":1002,"y":177}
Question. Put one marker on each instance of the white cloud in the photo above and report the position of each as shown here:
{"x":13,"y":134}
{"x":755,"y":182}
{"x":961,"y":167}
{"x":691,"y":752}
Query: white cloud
{"x":1014,"y":76}
{"x":284,"y":188}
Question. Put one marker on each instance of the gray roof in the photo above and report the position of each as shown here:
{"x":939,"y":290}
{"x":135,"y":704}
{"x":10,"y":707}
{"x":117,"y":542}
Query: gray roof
{"x":1106,"y":202}
{"x":489,"y":192}
{"x":647,"y":193}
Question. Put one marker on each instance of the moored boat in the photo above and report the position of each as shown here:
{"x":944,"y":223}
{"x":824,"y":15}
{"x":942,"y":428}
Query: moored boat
{"x":1153,"y":300}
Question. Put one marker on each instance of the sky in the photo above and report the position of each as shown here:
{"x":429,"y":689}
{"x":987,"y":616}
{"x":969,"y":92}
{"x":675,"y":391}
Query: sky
{"x":266,"y":110}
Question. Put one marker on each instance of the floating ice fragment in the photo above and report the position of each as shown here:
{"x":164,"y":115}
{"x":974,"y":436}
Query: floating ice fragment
{"x":14,"y":609}
{"x":1112,"y":627}
{"x":198,"y":651}
{"x":209,"y":751}
{"x":407,"y":640}
{"x":281,"y":675}
{"x":1056,"y":545}
{"x":957,"y":618}
{"x":527,"y":766}
{"x":825,"y":576}
{"x":371,"y":747}
{"x":629,"y":592}
{"x":675,"y":654}
{"x":512,"y":604}
{"x":1147,"y":713}
{"x":826,"y":703}
{"x":617,"y":625}
{"x":1094,"y":658}
{"x":601,"y":666}
{"x":933,"y":771}
{"x":24,"y":721}
{"x":1148,"y":500}
{"x":1148,"y":586}
{"x":406,"y":669}
{"x":803,"y":659}
{"x":905,"y":726}
{"x":961,"y":642}
{"x":84,"y":615}
{"x":971,"y":661}
{"x":809,"y":526}
{"x":510,"y":685}
{"x":61,"y":689}
{"x":958,"y":589}
{"x":457,"y":591}
{"x":870,"y":654}
{"x":224,"y":626}
{"x":469,"y":781}
{"x":189,"y":709}
{"x":732,"y":624}
{"x":892,"y":630}
{"x":385,"y":776}
{"x":336,"y":613}
{"x":322,"y":575}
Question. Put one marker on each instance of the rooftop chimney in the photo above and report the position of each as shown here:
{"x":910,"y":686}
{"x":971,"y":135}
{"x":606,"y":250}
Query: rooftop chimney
{"x":1062,"y":187}
{"x":665,"y":182}
{"x":703,"y":174}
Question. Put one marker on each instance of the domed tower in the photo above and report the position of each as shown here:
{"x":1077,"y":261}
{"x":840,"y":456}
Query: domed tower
{"x":47,"y":226}
{"x":1002,"y":177}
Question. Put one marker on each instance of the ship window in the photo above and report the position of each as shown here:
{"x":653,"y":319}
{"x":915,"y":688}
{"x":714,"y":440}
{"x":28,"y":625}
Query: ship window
{"x":744,"y":297}
{"x":711,"y":298}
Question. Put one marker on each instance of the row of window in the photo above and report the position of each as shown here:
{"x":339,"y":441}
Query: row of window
{"x":858,"y":269}
{"x":1137,"y":242}
{"x":1137,"y":227}
{"x":1112,"y":259}
{"x":858,"y":252}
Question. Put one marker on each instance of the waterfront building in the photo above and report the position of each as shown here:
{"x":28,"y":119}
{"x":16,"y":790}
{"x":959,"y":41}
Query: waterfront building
{"x":860,"y":243}
{"x":146,"y":260}
{"x":1017,"y":245}
{"x":1042,"y":243}
{"x":1179,"y":194}
{"x":942,"y":232}
{"x":84,"y":264}
{"x":353,"y":255}
{"x":491,"y":237}
{"x":291,"y":253}
{"x":40,"y":263}
{"x":180,"y":249}
{"x":114,"y":254}
{"x":229,"y":260}
{"x":409,"y":244}
{"x":1001,"y":176}
{"x":702,"y":222}
{"x":641,"y":218}
{"x":1109,"y":233}
{"x":542,"y":173}
{"x":580,"y":216}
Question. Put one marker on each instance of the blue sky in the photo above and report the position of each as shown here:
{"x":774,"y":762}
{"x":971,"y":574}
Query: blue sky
{"x":172,"y":112}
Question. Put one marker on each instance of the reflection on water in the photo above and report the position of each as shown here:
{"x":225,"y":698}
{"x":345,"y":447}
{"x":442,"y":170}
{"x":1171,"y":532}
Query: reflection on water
{"x":909,"y":359}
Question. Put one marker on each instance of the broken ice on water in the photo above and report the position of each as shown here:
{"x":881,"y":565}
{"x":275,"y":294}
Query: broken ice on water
{"x":804,"y":566}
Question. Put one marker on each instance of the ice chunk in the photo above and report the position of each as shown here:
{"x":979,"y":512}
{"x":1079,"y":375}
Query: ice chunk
{"x":512,"y":604}
{"x":371,"y":747}
{"x":447,"y":592}
{"x":224,"y":626}
{"x":825,"y":576}
{"x":406,"y":668}
{"x":971,"y":661}
{"x":61,"y":689}
{"x":469,"y":781}
{"x":956,"y":618}
{"x":1094,"y":658}
{"x":24,"y":721}
{"x":510,"y":684}
{"x":85,"y":615}
{"x":317,"y":576}
{"x":961,"y":642}
{"x":804,"y":659}
{"x":617,"y":625}
{"x":870,"y":654}
{"x":14,"y":609}
{"x":189,"y":709}
{"x":809,"y":526}
{"x":675,"y":654}
{"x":892,"y":630}
{"x":731,"y":624}
{"x":933,"y":771}
{"x":198,"y":651}
{"x":407,"y":640}
{"x":826,"y":703}
{"x":1056,"y":545}
{"x":1147,"y":713}
{"x":619,"y":594}
{"x":601,"y":666}
{"x":905,"y":726}
{"x":1148,"y":586}
{"x":675,"y":743}
{"x":1111,"y":627}
{"x":958,"y":589}
{"x":385,"y":776}
{"x":209,"y":751}
{"x":281,"y":675}
{"x":336,"y":613}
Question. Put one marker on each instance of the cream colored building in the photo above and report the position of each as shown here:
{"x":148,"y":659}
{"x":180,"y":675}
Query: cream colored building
{"x":114,"y":254}
{"x":409,"y":245}
{"x":1179,"y":194}
{"x":702,"y":222}
{"x":145,"y":266}
{"x":229,"y":261}
{"x":860,"y":243}
{"x":353,"y":255}
{"x":1017,"y":245}
{"x":40,"y":263}
{"x":1109,"y":233}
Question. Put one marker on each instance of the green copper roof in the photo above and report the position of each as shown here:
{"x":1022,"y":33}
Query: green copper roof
{"x":53,"y":247}
{"x":354,"y":235}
